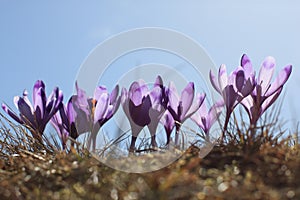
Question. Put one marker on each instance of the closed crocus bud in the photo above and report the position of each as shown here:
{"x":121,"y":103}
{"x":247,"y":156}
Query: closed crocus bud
{"x":144,"y":107}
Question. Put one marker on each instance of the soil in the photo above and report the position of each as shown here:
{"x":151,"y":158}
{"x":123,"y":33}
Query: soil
{"x":227,"y":172}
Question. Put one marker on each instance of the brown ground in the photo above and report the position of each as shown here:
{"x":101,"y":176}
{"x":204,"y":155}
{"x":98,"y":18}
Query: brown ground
{"x":231,"y":172}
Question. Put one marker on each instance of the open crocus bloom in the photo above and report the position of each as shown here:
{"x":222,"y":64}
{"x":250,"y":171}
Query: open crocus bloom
{"x":183,"y":107}
{"x":265,"y":93}
{"x":36,"y":116}
{"x":233,"y":88}
{"x":70,"y":121}
{"x":144,"y":107}
{"x":205,"y":118}
{"x":83,"y":114}
{"x":102,"y":107}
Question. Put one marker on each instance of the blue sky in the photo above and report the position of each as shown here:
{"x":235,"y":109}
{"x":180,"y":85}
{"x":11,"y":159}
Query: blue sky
{"x":50,"y":40}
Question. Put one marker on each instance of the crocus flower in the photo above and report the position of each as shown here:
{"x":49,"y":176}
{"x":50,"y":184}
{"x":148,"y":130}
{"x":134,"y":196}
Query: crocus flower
{"x":102,"y":107}
{"x":36,"y":116}
{"x":83,"y":114}
{"x":205,"y":118}
{"x":73,"y":119}
{"x":69,"y":122}
{"x":233,"y":88}
{"x":169,"y":124}
{"x":265,"y":93}
{"x":183,"y":107}
{"x":144,"y":107}
{"x":63,"y":127}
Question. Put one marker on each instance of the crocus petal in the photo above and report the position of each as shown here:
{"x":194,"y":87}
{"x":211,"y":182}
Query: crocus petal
{"x":40,"y":103}
{"x":54,"y":104}
{"x":203,"y":110}
{"x":78,"y":117}
{"x":63,"y":134}
{"x":230,"y":97}
{"x":248,"y":88}
{"x":38,"y":84}
{"x":213,"y":113}
{"x":197,"y":116}
{"x":270,"y":100}
{"x":140,"y":113}
{"x":81,"y":100}
{"x":12,"y":114}
{"x":99,"y":91}
{"x":101,"y":107}
{"x":116,"y":105}
{"x":26,"y":99}
{"x":266,"y":73}
{"x":56,"y":122}
{"x":16,"y":100}
{"x":109,"y":113}
{"x":173,"y":96}
{"x":214,"y":82}
{"x":158,"y":82}
{"x":280,"y":80}
{"x":63,"y":116}
{"x":156,"y":98}
{"x":135,"y":129}
{"x":195,"y":106}
{"x":70,"y":112}
{"x":240,"y":80}
{"x":114,"y":94}
{"x":222,"y":78}
{"x":112,"y":109}
{"x":187,"y":97}
{"x":125,"y":103}
{"x":247,"y":66}
{"x":155,"y":116}
{"x":26,"y":114}
{"x":168,"y":121}
{"x":137,"y":91}
{"x":143,"y":87}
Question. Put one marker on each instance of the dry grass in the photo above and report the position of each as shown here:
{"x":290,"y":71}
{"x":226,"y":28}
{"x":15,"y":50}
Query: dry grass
{"x":262,"y":169}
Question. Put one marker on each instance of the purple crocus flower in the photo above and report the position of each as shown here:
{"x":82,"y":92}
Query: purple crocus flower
{"x":73,"y":118}
{"x":233,"y":88}
{"x":36,"y":116}
{"x":183,"y":107}
{"x":70,"y":121}
{"x":206,"y":118}
{"x":265,"y":93}
{"x":102,"y":107}
{"x":84,"y":114}
{"x":169,"y":124}
{"x":144,"y":107}
{"x":62,"y":127}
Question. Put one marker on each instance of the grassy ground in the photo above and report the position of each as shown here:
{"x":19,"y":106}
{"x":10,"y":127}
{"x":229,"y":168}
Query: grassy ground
{"x":270,"y":170}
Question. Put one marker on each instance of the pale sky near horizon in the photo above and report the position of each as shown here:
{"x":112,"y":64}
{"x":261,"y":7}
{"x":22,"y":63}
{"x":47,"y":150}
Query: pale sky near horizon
{"x":50,"y":40}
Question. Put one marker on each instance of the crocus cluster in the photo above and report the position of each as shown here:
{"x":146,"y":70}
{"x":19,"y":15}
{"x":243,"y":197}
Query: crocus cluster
{"x":144,"y":107}
{"x":147,"y":107}
{"x":36,"y":116}
{"x":256,"y":94}
{"x":265,"y":93}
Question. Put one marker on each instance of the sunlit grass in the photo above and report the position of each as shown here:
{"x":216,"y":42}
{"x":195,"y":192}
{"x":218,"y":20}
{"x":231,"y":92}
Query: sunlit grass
{"x":252,"y":163}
